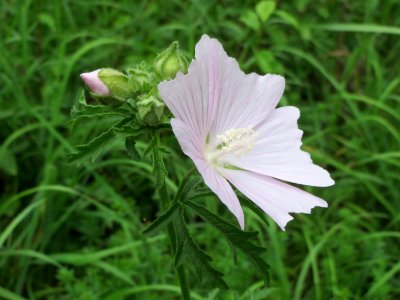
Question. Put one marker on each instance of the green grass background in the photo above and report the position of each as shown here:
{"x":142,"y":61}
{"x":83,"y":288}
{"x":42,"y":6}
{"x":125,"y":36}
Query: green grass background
{"x":70,"y":232}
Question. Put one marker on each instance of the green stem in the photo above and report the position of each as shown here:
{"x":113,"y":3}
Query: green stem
{"x":165,"y":203}
{"x":164,"y":198}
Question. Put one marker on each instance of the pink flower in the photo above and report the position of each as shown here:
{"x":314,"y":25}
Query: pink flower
{"x":227,"y":122}
{"x":94,"y":83}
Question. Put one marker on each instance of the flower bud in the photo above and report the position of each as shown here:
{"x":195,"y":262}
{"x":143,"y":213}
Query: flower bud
{"x":170,"y":61}
{"x":108,"y":86}
{"x":140,"y":79}
{"x":150,"y":109}
{"x":94,"y":83}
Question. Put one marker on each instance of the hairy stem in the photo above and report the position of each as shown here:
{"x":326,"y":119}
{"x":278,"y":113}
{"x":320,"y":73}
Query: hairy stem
{"x":164,"y":197}
{"x":165,"y":203}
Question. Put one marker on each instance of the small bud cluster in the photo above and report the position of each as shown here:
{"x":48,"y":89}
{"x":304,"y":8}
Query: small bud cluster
{"x":113,"y":88}
{"x":171,"y":61}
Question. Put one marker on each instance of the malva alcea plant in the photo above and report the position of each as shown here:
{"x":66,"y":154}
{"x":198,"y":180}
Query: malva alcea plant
{"x":227,"y":122}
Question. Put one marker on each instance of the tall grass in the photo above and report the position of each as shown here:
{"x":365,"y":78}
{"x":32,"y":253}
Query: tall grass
{"x":75,"y":233}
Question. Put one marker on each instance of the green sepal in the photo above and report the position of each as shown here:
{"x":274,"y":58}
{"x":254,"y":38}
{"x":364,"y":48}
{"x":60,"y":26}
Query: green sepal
{"x":116,"y":82}
{"x":150,"y":109}
{"x":141,"y":79}
{"x":109,"y":100}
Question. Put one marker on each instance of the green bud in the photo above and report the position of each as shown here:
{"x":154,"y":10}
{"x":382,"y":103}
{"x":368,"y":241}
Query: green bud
{"x":170,"y":61}
{"x":116,"y":82}
{"x":150,"y":109}
{"x":108,"y":86}
{"x":140,"y":79}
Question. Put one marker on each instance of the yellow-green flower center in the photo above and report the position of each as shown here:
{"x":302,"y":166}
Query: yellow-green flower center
{"x":236,"y":141}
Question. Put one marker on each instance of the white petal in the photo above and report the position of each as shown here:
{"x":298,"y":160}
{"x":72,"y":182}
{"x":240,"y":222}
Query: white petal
{"x":215,"y":182}
{"x":276,"y":198}
{"x":94,"y":83}
{"x":277,"y":152}
{"x":188,"y":141}
{"x":193,"y":98}
{"x":246,"y":100}
{"x":222,"y":188}
{"x":216,"y":95}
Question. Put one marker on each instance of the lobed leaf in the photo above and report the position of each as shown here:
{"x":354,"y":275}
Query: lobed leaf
{"x":237,"y":237}
{"x":93,"y":149}
{"x":187,"y":250}
{"x":162,"y":221}
{"x":83,"y":111}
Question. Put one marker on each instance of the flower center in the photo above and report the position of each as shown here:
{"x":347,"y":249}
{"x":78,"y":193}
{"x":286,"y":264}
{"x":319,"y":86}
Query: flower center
{"x":237,"y":141}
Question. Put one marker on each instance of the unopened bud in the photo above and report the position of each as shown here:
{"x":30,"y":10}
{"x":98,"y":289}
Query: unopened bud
{"x":140,"y":79}
{"x":150,"y":110}
{"x":108,"y":86}
{"x":169,"y":62}
{"x":94,"y":83}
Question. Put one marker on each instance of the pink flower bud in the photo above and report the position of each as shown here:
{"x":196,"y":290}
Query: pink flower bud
{"x":94,"y":83}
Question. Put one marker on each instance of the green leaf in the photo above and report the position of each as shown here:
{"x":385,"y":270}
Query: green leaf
{"x":190,"y":191}
{"x":353,"y":27}
{"x":94,"y":111}
{"x":187,"y":250}
{"x":83,"y":112}
{"x":93,"y":149}
{"x":237,"y":237}
{"x":162,"y":221}
{"x":268,"y":63}
{"x":8,"y":163}
{"x":288,"y":18}
{"x":9,"y":295}
{"x":128,"y":130}
{"x":251,"y":20}
{"x":265,"y":9}
{"x":130,"y":144}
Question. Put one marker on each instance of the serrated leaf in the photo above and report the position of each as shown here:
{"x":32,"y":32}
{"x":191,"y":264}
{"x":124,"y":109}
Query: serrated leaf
{"x":93,"y":149}
{"x":86,"y":112}
{"x":162,"y":221}
{"x":189,"y":190}
{"x":8,"y":163}
{"x":265,"y":9}
{"x":128,"y":130}
{"x":237,"y":237}
{"x":130,"y":144}
{"x":187,"y":250}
